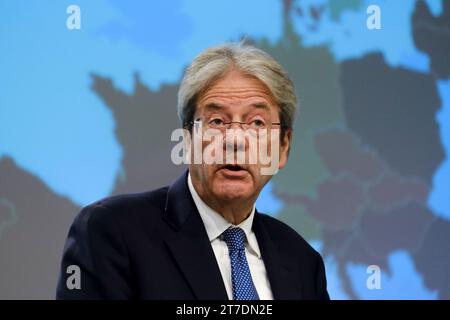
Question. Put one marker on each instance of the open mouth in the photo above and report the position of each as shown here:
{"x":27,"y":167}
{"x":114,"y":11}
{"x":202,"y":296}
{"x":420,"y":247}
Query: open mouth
{"x":233,"y":167}
{"x":234,"y":171}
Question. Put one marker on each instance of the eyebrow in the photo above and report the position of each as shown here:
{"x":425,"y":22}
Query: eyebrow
{"x":216,"y":106}
{"x":213,"y":106}
{"x":260,"y":105}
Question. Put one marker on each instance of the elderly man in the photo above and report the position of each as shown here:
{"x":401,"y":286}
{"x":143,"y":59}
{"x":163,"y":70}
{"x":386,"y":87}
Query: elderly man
{"x":202,"y":237}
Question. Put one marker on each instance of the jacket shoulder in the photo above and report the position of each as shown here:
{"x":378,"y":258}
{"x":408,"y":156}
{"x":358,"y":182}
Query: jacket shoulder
{"x":125,"y":207}
{"x":286,"y":236}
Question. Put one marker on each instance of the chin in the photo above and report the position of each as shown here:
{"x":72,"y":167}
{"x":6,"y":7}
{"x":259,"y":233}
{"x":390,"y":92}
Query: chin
{"x":233,"y":190}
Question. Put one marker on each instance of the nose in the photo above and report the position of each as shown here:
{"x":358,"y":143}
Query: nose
{"x":238,"y":123}
{"x":235,"y":139}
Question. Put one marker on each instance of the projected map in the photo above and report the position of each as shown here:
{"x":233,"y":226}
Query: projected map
{"x":88,"y":113}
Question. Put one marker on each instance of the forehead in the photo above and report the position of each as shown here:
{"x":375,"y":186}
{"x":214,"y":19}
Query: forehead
{"x":236,"y":91}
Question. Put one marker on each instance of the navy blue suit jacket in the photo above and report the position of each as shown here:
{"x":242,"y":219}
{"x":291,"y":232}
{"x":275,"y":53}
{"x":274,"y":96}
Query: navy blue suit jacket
{"x":153,"y":245}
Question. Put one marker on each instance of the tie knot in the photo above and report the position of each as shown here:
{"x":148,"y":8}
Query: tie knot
{"x":234,"y":238}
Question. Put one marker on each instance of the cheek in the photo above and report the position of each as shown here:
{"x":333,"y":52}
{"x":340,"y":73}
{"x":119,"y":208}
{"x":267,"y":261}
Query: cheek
{"x":269,"y":146}
{"x":202,"y":172}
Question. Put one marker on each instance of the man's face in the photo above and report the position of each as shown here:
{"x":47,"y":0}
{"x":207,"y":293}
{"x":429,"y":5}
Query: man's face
{"x":241,"y":98}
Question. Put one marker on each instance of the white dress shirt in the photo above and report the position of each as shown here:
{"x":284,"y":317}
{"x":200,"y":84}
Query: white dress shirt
{"x":215,"y":225}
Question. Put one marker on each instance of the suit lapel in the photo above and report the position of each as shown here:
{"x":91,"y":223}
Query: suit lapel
{"x":279,"y":264}
{"x":190,"y":245}
{"x":192,"y":251}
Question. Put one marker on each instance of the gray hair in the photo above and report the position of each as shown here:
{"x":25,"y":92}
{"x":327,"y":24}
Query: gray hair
{"x":214,"y":62}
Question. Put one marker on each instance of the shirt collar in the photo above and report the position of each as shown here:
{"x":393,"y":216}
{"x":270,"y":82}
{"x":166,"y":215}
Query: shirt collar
{"x":216,"y":224}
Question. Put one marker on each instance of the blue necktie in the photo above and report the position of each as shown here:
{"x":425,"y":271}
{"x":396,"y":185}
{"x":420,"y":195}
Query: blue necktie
{"x":243,"y":287}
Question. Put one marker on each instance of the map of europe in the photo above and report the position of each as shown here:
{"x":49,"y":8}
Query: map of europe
{"x":88,"y":113}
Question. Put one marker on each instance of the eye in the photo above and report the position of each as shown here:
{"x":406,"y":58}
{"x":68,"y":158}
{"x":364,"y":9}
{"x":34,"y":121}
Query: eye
{"x":257,"y":123}
{"x":215,"y":122}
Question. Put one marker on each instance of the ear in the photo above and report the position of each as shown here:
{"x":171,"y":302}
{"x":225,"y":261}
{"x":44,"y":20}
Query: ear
{"x":187,"y":145}
{"x":284,"y":148}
